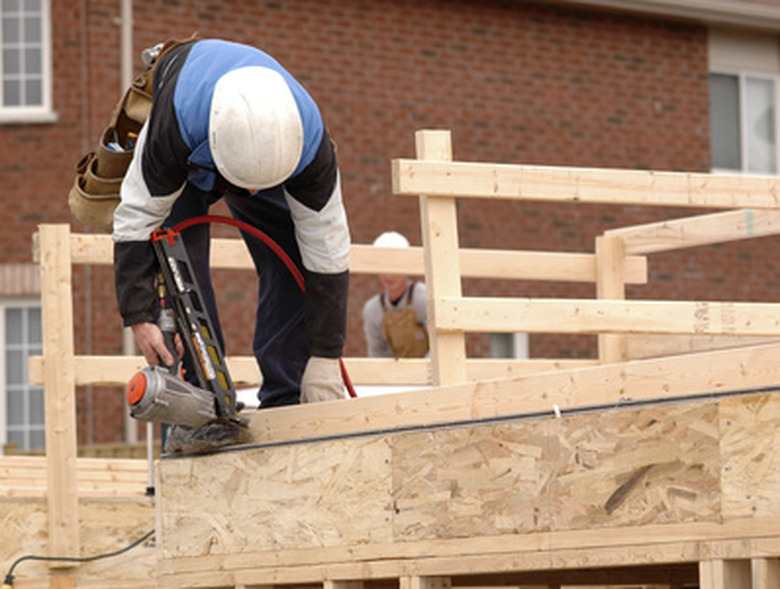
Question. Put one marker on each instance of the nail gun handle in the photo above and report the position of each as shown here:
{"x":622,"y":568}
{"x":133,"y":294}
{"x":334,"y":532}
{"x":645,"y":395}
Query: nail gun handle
{"x":167,"y":324}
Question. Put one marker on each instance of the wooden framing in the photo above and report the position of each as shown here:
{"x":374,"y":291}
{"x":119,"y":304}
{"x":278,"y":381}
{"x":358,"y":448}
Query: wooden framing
{"x":725,"y":545}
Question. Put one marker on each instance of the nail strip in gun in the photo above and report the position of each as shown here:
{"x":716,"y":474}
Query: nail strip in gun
{"x":176,"y":276}
{"x":208,"y":367}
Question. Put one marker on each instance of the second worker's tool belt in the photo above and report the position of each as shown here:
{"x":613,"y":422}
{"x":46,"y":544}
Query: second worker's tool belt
{"x":99,"y":174}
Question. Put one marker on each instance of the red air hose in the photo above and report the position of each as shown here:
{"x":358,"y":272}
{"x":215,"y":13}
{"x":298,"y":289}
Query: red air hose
{"x":277,"y":250}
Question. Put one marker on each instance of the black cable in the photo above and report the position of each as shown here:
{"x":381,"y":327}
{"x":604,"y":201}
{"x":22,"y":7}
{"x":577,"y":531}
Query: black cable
{"x":9,"y":578}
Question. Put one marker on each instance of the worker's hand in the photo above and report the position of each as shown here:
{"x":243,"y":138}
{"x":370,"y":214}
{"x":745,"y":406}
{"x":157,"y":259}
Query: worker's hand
{"x":150,"y":341}
{"x":322,"y":380}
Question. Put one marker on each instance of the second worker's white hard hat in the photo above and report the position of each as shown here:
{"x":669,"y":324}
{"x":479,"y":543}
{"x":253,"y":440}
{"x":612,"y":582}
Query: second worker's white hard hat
{"x":391,"y":239}
{"x":255,"y":128}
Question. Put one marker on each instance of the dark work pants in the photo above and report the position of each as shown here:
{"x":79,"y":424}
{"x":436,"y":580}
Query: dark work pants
{"x":279,"y":344}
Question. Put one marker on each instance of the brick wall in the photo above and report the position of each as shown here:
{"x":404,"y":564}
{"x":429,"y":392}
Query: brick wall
{"x":514,"y":81}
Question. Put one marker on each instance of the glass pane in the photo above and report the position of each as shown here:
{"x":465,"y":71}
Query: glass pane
{"x":724,"y":122}
{"x":37,"y":440}
{"x":14,"y":367}
{"x":11,"y":31}
{"x":17,"y":438}
{"x":32,"y":30}
{"x":32,"y":6}
{"x":15,"y":407}
{"x":11,"y":5}
{"x":34,"y":329}
{"x":13,"y":327}
{"x":12,"y":62}
{"x":12,"y":93}
{"x":760,"y":117}
{"x":33,"y":93}
{"x":36,"y":406}
{"x":33,"y":62}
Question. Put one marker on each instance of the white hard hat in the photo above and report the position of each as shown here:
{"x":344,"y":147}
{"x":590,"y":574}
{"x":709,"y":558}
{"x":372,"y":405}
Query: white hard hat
{"x":255,"y":129}
{"x":391,"y":239}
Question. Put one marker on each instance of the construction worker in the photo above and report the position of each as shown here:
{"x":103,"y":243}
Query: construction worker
{"x":229,"y":122}
{"x":395,"y":319}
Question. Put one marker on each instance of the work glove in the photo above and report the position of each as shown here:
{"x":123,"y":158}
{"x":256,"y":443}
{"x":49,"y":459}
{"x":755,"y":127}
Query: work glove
{"x":322,"y":380}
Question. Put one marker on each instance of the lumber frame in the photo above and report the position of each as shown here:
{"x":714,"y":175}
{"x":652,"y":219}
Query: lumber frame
{"x":464,"y":392}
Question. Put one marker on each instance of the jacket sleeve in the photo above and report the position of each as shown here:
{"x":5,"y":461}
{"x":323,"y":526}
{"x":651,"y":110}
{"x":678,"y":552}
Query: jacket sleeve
{"x":137,"y":216}
{"x":322,"y":233}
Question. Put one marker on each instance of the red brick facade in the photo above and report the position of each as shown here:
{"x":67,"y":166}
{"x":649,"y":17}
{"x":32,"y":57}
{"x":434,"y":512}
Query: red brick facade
{"x":514,"y":81}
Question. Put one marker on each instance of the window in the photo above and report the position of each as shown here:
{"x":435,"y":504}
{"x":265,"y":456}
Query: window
{"x":20,"y":328}
{"x":25,"y":93}
{"x":744,"y":91}
{"x":743,"y":122}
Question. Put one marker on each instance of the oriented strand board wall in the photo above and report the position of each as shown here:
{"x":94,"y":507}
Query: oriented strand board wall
{"x":106,"y":525}
{"x":642,"y":475}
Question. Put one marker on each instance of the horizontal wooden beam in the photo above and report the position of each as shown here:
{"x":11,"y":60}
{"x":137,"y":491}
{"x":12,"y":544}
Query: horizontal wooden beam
{"x":496,"y":315}
{"x":117,"y":370}
{"x":697,"y":231}
{"x":25,"y":476}
{"x":583,"y":185}
{"x":557,"y":552}
{"x":367,"y":259}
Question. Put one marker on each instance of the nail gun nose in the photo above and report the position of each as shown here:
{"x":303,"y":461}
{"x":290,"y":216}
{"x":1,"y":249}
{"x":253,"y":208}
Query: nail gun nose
{"x":136,"y":388}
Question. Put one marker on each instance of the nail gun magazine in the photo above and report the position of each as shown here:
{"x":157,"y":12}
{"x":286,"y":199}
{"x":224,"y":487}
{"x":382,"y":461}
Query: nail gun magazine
{"x":161,"y":394}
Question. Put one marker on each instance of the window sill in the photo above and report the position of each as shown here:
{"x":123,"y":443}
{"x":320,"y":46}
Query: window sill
{"x":27,"y":118}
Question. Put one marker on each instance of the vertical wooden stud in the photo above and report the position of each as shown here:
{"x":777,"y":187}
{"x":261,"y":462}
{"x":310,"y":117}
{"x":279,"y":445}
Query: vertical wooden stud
{"x":611,"y":284}
{"x":766,"y":573}
{"x":725,"y":574}
{"x":59,"y":391}
{"x":439,"y":219}
{"x":425,"y":583}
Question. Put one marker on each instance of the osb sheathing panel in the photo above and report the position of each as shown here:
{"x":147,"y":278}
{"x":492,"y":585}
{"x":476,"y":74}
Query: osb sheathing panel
{"x":707,"y":461}
{"x":106,"y":525}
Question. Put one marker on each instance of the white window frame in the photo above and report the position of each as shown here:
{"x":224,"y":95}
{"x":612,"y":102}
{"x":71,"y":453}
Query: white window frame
{"x":43,"y":113}
{"x":742,"y":76}
{"x":10,"y":303}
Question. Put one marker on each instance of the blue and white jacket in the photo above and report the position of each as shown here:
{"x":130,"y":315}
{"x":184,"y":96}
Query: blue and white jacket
{"x":172,"y":150}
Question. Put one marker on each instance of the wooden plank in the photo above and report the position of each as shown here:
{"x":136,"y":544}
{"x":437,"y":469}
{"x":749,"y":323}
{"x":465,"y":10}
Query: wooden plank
{"x":766,"y":573}
{"x":470,"y":556}
{"x":610,"y":284}
{"x":583,"y":185}
{"x":416,"y":582}
{"x":23,"y":476}
{"x":366,"y":259}
{"x":439,"y":220}
{"x":592,"y":386}
{"x":655,"y":345}
{"x":597,"y":316}
{"x":117,"y":370}
{"x":501,"y":264}
{"x":698,"y":231}
{"x":59,"y":391}
{"x":724,"y":574}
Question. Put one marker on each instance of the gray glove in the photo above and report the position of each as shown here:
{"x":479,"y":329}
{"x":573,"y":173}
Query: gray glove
{"x":322,"y":380}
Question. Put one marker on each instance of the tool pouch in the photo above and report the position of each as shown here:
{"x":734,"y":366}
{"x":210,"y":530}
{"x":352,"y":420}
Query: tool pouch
{"x":99,"y":174}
